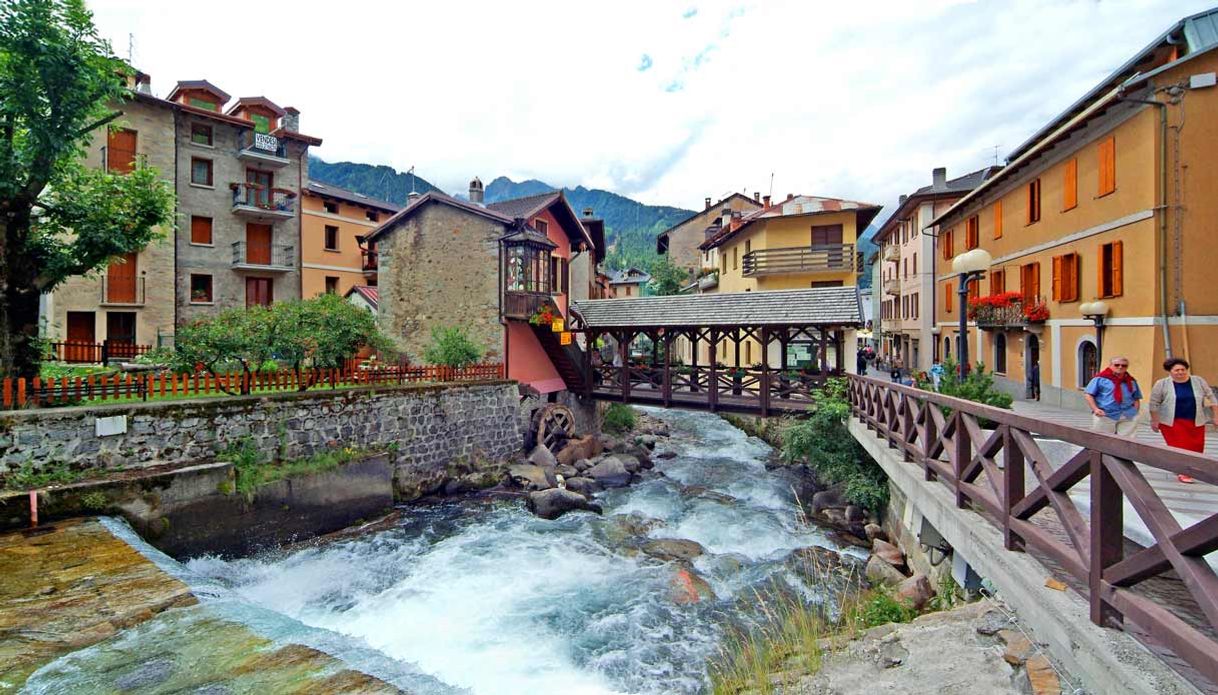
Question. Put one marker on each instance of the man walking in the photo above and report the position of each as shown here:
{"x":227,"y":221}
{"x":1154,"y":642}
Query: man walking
{"x":1114,"y":398}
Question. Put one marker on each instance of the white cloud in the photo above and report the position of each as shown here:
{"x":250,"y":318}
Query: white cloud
{"x":666,"y":103}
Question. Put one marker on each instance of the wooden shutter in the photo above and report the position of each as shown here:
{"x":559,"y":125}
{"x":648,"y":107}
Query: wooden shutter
{"x":1107,"y":165}
{"x":947,"y":297}
{"x":998,"y":219}
{"x":1070,"y":185}
{"x":120,"y":150}
{"x":1118,"y":279}
{"x":1058,"y":261}
{"x":200,"y":230}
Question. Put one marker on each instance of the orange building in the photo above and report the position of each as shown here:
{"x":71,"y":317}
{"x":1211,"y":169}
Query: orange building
{"x":1111,"y":200}
{"x":333,"y":224}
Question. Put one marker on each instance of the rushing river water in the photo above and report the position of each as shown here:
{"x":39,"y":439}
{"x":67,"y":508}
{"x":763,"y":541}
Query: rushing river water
{"x":482,"y":596}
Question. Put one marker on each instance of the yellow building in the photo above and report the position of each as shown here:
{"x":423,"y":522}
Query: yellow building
{"x":1113,"y":200}
{"x":801,"y":242}
{"x":333,"y":224}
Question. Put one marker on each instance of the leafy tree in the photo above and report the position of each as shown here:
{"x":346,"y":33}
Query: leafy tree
{"x":234,"y":339}
{"x":58,"y":84}
{"x":667,"y":278}
{"x":977,"y":386}
{"x":451,"y":346}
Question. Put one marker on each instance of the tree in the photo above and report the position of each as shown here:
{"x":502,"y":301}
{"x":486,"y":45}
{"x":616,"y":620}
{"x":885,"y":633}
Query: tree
{"x":666,"y":277}
{"x":232,"y":339}
{"x":451,"y":346}
{"x":58,"y":84}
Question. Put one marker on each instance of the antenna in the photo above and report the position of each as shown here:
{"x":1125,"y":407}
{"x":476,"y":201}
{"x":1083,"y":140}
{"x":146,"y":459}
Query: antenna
{"x":771,"y":191}
{"x":130,"y":48}
{"x":995,"y":155}
{"x":410,"y":171}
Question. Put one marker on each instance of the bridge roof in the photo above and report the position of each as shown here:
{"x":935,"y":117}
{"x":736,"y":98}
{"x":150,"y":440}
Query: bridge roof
{"x":821,"y":306}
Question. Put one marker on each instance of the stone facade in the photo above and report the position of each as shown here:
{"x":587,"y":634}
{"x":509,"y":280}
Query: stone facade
{"x":438,"y":268}
{"x":684,"y":238}
{"x":152,"y":121}
{"x":432,"y":428}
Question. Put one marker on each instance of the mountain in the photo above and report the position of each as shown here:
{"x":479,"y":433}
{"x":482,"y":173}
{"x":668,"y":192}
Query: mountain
{"x":867,"y":247}
{"x":630,"y":226}
{"x":381,"y":182}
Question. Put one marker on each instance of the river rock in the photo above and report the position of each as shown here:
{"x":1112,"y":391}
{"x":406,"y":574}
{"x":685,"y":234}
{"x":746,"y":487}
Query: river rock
{"x":888,"y":553}
{"x":584,"y":486}
{"x":530,"y":477}
{"x":582,"y":465}
{"x":551,"y":504}
{"x":646,"y":440}
{"x":541,"y":456}
{"x":855,"y":513}
{"x":566,"y":470}
{"x":673,"y":549}
{"x":703,"y":492}
{"x":688,"y":587}
{"x":827,"y":499}
{"x":636,"y":524}
{"x":916,"y":591}
{"x":880,"y":573}
{"x":611,"y":473}
{"x":844,"y":537}
{"x":666,"y":455}
{"x":630,"y":463}
{"x":816,"y":562}
{"x":875,"y":531}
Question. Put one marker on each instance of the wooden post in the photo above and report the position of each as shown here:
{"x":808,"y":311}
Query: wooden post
{"x":623,"y":349}
{"x":1107,"y":531}
{"x":693,"y":362}
{"x":822,"y":358}
{"x":1012,"y":487}
{"x":765,"y":371}
{"x":666,"y":389}
{"x":736,"y":339}
{"x":963,"y":454}
{"x":713,"y":383}
{"x":590,"y":377}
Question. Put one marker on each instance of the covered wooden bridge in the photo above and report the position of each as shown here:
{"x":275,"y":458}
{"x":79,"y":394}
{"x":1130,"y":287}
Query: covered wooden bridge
{"x":751,"y":352}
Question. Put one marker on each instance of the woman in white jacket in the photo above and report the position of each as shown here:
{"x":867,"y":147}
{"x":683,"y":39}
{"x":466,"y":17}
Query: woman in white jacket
{"x":1181,"y":405}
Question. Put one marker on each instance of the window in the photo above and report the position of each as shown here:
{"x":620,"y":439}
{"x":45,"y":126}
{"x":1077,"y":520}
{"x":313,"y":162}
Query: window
{"x":259,"y":292}
{"x":1034,"y":202}
{"x":331,"y":208}
{"x":972,"y":234}
{"x":998,"y":281}
{"x":947,"y":348}
{"x":200,"y":230}
{"x":735,"y":258}
{"x":916,"y":302}
{"x":1029,"y":282}
{"x":748,"y":246}
{"x":331,"y":237}
{"x":946,"y":239}
{"x":1070,"y":185}
{"x":1107,"y":165}
{"x":722,"y":263}
{"x":748,"y":352}
{"x":905,"y":267}
{"x":1088,"y":363}
{"x":1112,"y":281}
{"x":1065,"y":278}
{"x":120,"y":150}
{"x":201,"y":134}
{"x":974,"y":288}
{"x":1000,"y":353}
{"x":203,"y":104}
{"x":566,"y":276}
{"x":262,"y":124}
{"x":826,"y":283}
{"x":527,"y":269}
{"x":915,"y":263}
{"x":998,"y":219}
{"x":331,"y":284}
{"x":948,"y":290}
{"x":200,"y":289}
{"x":542,"y":226}
{"x":200,"y":171}
{"x":372,"y":215}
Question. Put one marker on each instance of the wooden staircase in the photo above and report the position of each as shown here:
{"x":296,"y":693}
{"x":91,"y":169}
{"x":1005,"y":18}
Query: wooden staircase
{"x":567,"y":359}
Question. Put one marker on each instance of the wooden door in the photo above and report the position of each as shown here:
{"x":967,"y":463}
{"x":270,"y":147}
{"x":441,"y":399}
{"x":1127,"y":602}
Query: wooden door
{"x":828,"y":239}
{"x":120,"y":151}
{"x":121,"y":280}
{"x":120,"y":333}
{"x":258,"y":292}
{"x":262,"y":182}
{"x":82,"y":337}
{"x":258,"y":244}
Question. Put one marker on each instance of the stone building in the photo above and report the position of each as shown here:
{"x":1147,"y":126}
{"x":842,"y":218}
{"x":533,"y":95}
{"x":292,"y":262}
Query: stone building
{"x":681,"y":241}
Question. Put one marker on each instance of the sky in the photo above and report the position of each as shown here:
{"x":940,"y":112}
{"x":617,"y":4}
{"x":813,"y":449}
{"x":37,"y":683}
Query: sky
{"x":664,"y":102}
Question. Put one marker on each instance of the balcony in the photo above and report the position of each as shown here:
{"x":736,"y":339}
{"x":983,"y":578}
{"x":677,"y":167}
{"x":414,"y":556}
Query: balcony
{"x":892,"y":252}
{"x":257,"y":202}
{"x":263,"y":149}
{"x":709,"y":281}
{"x":122,"y":291}
{"x":892,"y":286}
{"x":522,"y":305}
{"x":370,"y":261}
{"x":801,"y":259}
{"x":267,"y":258}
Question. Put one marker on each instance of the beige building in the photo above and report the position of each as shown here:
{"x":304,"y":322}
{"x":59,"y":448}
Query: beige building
{"x":333,"y":225}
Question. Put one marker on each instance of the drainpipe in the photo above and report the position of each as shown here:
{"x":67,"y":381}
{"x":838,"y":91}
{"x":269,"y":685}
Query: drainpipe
{"x":1161,"y":210}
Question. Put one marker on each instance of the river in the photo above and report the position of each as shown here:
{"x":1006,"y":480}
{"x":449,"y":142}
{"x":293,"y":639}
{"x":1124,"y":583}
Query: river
{"x":482,"y":596}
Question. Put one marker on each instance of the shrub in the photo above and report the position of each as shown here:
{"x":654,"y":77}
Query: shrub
{"x":978,"y":386}
{"x":878,"y":608}
{"x":451,"y":346}
{"x":28,"y":476}
{"x":619,"y":418}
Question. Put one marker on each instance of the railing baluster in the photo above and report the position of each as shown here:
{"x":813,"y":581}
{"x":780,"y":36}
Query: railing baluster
{"x":1013,"y":487}
{"x":1107,"y":538}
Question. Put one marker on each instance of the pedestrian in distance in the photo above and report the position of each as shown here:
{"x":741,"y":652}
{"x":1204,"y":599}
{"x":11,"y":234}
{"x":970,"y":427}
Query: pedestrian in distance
{"x":1114,"y":398}
{"x":936,"y":374}
{"x":860,"y":361}
{"x":1181,"y":405}
{"x":1034,"y":381}
{"x":896,"y":369}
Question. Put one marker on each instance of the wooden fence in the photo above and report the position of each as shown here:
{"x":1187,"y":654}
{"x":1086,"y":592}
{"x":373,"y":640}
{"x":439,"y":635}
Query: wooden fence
{"x":951,"y":441}
{"x":88,"y":352}
{"x":19,"y":393}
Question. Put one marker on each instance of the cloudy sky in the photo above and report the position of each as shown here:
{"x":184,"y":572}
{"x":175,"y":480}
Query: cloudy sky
{"x":666,"y":102}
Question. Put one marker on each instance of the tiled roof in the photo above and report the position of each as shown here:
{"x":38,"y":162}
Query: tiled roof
{"x":333,"y":191}
{"x":199,"y":84}
{"x":628,"y":276}
{"x":370,"y":294}
{"x":795,"y":206}
{"x":526,"y":206}
{"x":817,"y":306}
{"x":717,"y":207}
{"x":963,"y":184}
{"x":436,"y":197}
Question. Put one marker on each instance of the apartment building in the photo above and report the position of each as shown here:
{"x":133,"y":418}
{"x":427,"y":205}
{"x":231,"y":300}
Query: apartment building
{"x":333,"y":225}
{"x":1111,"y":200}
{"x":907,"y":267}
{"x":683,"y":240}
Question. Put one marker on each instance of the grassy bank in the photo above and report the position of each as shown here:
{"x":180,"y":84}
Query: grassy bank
{"x":253,"y":470}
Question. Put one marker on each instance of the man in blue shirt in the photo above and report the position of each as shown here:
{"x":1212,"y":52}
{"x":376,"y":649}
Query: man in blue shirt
{"x":1114,"y":397}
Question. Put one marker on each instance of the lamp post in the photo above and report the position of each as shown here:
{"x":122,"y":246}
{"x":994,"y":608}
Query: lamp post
{"x":968,"y":266}
{"x":1096,"y":311}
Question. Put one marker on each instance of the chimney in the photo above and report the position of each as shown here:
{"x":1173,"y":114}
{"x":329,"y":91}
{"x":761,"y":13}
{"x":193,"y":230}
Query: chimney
{"x":725,"y":218}
{"x":902,"y":199}
{"x":708,"y":203}
{"x":412,"y":197}
{"x":291,"y":120}
{"x":143,"y":83}
{"x":939,"y":177}
{"x":765,"y":200}
{"x":790,"y":196}
{"x":588,"y":212}
{"x":475,"y":191}
{"x":757,"y":196}
{"x":735,"y":222}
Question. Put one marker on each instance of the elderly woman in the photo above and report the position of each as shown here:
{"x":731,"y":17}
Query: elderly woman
{"x":1180,"y":407}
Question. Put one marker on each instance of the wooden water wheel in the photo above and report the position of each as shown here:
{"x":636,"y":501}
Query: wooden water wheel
{"x":553,"y":425}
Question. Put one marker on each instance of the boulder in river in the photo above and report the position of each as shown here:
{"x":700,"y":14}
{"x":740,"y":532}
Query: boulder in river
{"x":610,"y":473}
{"x":551,"y":504}
{"x":582,"y":465}
{"x":541,"y":456}
{"x":673,"y":549}
{"x":827,"y":499}
{"x":703,"y":492}
{"x":566,"y":470}
{"x":688,"y":587}
{"x":584,"y":486}
{"x":646,"y":440}
{"x":631,"y":463}
{"x":530,"y":477}
{"x":888,"y":553}
{"x":816,"y":562}
{"x":666,"y":455}
{"x":875,"y":531}
{"x":916,"y":590}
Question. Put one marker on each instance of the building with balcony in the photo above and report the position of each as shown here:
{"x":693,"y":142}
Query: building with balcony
{"x":490,"y":269}
{"x":683,"y":240}
{"x":334,"y":223}
{"x":1111,"y":200}
{"x":630,"y":282}
{"x":907,"y":267}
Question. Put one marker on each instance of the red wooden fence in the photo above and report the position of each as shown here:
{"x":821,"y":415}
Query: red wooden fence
{"x":19,"y":393}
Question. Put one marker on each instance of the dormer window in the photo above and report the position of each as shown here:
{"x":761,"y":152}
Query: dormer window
{"x":262,"y":124}
{"x":203,"y":104}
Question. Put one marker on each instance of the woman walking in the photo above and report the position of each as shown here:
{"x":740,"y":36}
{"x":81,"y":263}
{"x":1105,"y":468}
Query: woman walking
{"x":1180,"y":407}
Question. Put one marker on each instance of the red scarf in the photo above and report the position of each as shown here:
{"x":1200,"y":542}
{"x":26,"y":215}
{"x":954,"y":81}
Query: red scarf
{"x":1125,"y":378}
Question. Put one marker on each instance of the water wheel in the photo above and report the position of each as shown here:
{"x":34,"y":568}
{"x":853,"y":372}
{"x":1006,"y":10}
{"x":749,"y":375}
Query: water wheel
{"x":553,"y":425}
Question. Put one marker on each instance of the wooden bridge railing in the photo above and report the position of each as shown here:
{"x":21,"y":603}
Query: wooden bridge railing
{"x":984,"y":455}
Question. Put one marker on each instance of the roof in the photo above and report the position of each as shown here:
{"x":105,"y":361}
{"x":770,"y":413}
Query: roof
{"x":714,"y":207}
{"x":818,"y":306}
{"x":522,"y":232}
{"x":369,"y":294}
{"x":531,"y":205}
{"x":436,"y":197}
{"x":183,"y":85}
{"x":1195,"y":33}
{"x":628,"y":276}
{"x":797,"y":206}
{"x":957,"y":186}
{"x":595,"y":227}
{"x":256,"y":101}
{"x":331,"y":191}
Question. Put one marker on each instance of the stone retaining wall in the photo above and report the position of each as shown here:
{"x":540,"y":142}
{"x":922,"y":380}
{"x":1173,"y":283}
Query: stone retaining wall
{"x":431,"y":431}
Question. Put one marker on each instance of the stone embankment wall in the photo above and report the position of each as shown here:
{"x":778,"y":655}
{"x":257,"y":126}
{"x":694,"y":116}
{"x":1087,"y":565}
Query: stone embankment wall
{"x":433,"y":432}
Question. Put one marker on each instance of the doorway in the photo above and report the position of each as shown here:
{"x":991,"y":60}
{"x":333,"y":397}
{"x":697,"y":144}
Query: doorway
{"x":257,"y":244}
{"x":81,"y":345}
{"x":261,"y":183}
{"x":259,"y":292}
{"x":121,"y":280}
{"x":1031,"y":367}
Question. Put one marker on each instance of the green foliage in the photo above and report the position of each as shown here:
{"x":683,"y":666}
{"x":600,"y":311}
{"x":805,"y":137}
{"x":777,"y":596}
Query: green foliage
{"x":27,"y":476}
{"x":253,"y":471}
{"x":947,"y":594}
{"x":95,"y":501}
{"x":876,"y":608}
{"x":451,"y":346}
{"x":666,"y":278}
{"x":619,"y":418}
{"x":381,"y":182}
{"x":55,"y":370}
{"x":823,"y":442}
{"x":978,"y":386}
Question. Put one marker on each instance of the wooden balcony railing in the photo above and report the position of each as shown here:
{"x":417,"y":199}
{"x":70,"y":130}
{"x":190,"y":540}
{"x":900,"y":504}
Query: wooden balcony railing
{"x":522,"y":305}
{"x":802,"y":259}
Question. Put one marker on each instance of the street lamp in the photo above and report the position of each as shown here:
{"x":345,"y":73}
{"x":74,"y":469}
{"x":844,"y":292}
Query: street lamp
{"x":969,"y":266}
{"x":1096,"y":311}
